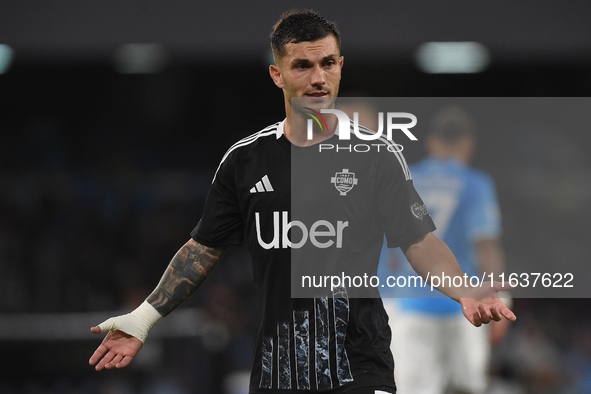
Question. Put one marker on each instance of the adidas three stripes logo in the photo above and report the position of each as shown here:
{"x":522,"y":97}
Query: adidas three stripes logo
{"x":264,"y":185}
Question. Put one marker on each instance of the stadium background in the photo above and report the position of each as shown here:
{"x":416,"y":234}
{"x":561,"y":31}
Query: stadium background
{"x":104,"y":173}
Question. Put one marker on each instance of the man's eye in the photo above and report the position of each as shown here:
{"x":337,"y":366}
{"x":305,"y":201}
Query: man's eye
{"x":301,"y":65}
{"x":329,"y":63}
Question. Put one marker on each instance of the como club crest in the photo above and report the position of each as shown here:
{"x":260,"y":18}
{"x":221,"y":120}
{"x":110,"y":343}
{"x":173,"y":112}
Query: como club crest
{"x":344,"y":181}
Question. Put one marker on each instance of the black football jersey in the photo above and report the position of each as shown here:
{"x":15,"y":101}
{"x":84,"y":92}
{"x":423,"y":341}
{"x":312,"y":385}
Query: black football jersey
{"x":312,"y":212}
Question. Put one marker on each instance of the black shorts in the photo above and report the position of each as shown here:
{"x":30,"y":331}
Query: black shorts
{"x":367,"y":390}
{"x":361,"y":390}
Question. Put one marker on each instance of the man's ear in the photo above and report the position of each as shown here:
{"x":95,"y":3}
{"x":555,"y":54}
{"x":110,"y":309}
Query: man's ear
{"x":275,"y":72}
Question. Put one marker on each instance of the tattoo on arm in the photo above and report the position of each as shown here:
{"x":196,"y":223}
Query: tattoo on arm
{"x":188,"y":269}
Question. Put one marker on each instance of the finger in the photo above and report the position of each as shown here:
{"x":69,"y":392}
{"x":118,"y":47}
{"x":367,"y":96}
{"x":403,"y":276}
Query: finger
{"x":108,"y":325}
{"x":496,"y":315}
{"x":95,"y":330}
{"x":484,"y":314}
{"x":117,"y":359}
{"x":105,"y":360}
{"x":475,"y":319}
{"x":98,"y":353}
{"x":509,"y":315}
{"x":125,"y":362}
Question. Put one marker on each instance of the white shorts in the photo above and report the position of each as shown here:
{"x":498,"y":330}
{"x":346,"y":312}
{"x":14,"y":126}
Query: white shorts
{"x":434,"y":353}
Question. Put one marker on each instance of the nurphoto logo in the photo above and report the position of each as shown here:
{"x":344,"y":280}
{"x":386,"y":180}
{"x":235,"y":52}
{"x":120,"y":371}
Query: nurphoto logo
{"x":344,"y":130}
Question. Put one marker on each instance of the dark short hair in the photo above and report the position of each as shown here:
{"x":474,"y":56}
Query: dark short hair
{"x":298,"y":26}
{"x":451,"y":124}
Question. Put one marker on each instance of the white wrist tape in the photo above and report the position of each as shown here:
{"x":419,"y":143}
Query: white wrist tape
{"x":137,"y":323}
{"x":505,"y":296}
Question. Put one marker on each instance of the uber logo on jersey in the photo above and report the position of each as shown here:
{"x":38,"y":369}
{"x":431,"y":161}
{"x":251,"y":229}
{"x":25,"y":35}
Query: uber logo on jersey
{"x":322,"y":233}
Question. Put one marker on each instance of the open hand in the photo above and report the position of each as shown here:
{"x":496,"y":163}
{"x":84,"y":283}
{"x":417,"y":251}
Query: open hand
{"x":483,"y":304}
{"x":116,"y":351}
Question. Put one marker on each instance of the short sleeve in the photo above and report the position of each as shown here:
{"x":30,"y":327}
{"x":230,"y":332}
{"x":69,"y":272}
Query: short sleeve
{"x":483,"y":219}
{"x":401,"y":211}
{"x":221,"y":223}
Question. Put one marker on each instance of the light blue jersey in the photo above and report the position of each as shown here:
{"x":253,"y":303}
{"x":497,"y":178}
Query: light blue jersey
{"x":463,"y":204}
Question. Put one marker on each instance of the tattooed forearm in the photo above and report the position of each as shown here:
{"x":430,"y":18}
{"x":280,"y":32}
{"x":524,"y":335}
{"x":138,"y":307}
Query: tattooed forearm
{"x":186,"y":272}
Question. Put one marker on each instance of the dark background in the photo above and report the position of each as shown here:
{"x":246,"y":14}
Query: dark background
{"x":103,"y":175}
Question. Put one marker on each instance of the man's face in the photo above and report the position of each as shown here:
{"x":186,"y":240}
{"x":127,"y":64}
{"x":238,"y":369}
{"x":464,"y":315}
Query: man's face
{"x":311,"y":70}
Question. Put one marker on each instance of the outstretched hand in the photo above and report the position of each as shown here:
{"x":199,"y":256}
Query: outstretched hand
{"x":116,"y":351}
{"x":483,"y":304}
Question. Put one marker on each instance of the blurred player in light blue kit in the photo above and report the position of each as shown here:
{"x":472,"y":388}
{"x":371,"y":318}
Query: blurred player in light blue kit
{"x":435,"y":347}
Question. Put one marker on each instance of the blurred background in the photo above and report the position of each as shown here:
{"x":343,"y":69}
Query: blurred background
{"x":114,"y":116}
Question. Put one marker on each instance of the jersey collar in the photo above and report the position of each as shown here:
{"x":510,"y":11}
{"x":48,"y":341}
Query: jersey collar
{"x":280,"y":128}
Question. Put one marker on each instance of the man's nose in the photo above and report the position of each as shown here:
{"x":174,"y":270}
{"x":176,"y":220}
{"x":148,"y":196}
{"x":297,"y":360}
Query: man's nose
{"x":317,"y":77}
